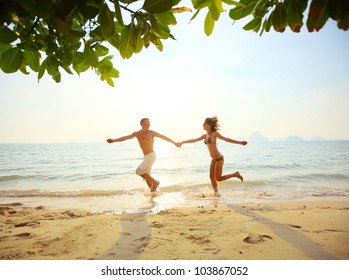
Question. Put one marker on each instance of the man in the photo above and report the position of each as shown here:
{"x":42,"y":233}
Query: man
{"x":145,"y":139}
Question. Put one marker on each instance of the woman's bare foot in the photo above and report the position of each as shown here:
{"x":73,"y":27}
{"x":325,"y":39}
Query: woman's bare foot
{"x":237,"y":174}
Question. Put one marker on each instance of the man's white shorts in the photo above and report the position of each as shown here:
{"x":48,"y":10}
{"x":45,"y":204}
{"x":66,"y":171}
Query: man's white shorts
{"x":145,"y":166}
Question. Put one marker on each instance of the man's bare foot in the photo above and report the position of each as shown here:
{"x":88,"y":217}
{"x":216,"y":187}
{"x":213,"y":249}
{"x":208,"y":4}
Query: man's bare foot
{"x":237,"y":174}
{"x":155,"y":186}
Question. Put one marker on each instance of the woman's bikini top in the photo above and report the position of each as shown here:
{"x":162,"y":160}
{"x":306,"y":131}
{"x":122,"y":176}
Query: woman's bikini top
{"x":209,"y":141}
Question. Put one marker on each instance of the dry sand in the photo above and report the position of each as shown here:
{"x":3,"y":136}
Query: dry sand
{"x":275,"y":231}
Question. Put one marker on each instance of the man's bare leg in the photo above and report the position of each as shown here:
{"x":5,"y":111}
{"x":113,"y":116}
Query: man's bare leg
{"x":151,"y":182}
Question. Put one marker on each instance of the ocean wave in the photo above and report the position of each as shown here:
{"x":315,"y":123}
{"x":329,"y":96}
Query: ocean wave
{"x":320,"y":177}
{"x":81,"y":193}
{"x":8,"y":178}
{"x":329,"y":193}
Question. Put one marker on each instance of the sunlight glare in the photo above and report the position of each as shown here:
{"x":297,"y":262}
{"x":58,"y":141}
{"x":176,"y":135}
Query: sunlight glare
{"x":162,"y":149}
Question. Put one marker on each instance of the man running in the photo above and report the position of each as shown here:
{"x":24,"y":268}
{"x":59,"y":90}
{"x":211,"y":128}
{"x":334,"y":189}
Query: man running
{"x":145,"y":139}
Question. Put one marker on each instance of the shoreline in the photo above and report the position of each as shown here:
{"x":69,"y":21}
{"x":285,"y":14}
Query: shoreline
{"x":297,"y":230}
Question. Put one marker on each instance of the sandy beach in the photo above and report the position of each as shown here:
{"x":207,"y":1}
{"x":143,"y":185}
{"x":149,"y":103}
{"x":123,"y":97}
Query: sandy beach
{"x":269,"y":231}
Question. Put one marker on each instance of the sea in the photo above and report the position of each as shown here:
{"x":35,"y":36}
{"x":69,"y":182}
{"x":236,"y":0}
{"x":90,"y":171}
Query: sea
{"x":100,"y":177}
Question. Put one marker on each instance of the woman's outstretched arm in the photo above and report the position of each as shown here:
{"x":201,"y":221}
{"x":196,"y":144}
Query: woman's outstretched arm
{"x":202,"y":137}
{"x":229,"y":140}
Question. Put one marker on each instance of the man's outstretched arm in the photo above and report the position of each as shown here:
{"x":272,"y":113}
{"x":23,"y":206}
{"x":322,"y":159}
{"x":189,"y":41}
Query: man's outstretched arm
{"x":163,"y":137}
{"x":121,"y":139}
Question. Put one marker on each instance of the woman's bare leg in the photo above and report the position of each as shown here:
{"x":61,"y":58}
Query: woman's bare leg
{"x":213,"y":177}
{"x":219,"y":170}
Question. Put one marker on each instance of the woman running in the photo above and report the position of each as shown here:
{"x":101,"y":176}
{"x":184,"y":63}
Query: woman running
{"x":210,"y":139}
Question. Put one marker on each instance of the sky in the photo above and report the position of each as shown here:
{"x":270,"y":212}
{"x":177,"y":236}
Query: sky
{"x":279,"y":84}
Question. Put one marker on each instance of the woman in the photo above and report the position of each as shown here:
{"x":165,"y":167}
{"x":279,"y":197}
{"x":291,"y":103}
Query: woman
{"x":210,"y":139}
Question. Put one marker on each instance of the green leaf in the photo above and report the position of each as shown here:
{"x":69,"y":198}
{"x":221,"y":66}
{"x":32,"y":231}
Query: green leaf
{"x":157,"y":6}
{"x":106,"y":21}
{"x":167,"y":18}
{"x":114,"y":73}
{"x":66,"y":57}
{"x":126,"y":49}
{"x":96,"y":34}
{"x":41,"y":9}
{"x":101,"y":50}
{"x":57,"y":78}
{"x":199,"y":4}
{"x":64,"y":7}
{"x":267,"y":24}
{"x":61,"y":25}
{"x":279,"y":17}
{"x":254,"y":24}
{"x":67,"y":69}
{"x":51,"y":48}
{"x":42,"y":70}
{"x":231,"y":2}
{"x":135,"y":34}
{"x":209,"y":24}
{"x":23,"y":69}
{"x":79,"y":64}
{"x":75,"y":47}
{"x":318,"y":15}
{"x":91,"y":57}
{"x":89,"y":9}
{"x":77,"y":32}
{"x":339,"y":11}
{"x":242,"y":11}
{"x":146,"y":40}
{"x":158,"y":44}
{"x":11,"y":60}
{"x":105,"y":66}
{"x":139,"y":46}
{"x":115,"y":41}
{"x":108,"y":79}
{"x":32,"y":59}
{"x":52,"y":64}
{"x":216,"y":8}
{"x":159,"y":28}
{"x":7,"y":35}
{"x":4,"y":47}
{"x":195,"y":15}
{"x":155,"y":25}
{"x":146,"y":28}
{"x":118,"y":14}
{"x":262,"y":7}
{"x":295,"y":16}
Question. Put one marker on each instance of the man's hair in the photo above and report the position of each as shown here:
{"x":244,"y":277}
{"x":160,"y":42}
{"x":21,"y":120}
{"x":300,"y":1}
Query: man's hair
{"x":143,"y":120}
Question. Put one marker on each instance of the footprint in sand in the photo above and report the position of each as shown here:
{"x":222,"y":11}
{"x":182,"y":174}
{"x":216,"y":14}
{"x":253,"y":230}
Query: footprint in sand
{"x":295,"y":226}
{"x":198,"y":239}
{"x":157,"y":225}
{"x":257,"y":238}
{"x":141,"y":243}
{"x":24,"y":235}
{"x":28,"y":224}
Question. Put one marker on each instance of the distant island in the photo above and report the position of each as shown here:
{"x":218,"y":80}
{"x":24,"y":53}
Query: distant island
{"x":257,"y":137}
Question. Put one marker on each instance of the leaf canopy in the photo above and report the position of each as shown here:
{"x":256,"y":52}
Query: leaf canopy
{"x":75,"y":35}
